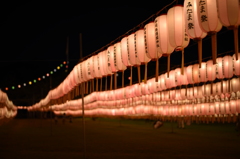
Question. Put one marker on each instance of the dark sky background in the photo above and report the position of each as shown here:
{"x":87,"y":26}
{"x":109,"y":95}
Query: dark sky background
{"x":34,"y":34}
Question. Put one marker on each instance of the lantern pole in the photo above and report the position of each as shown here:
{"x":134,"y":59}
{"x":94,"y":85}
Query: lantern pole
{"x":115,"y":80}
{"x":182,"y":67}
{"x":130,"y":75}
{"x":82,"y":94}
{"x":96,"y":84}
{"x":101,"y":84}
{"x":235,"y":31}
{"x":51,"y":104}
{"x":139,"y":74}
{"x":168,"y":65}
{"x":111,"y":81}
{"x":156,"y":77}
{"x":83,"y":121}
{"x":122,"y":78}
{"x":214,"y":47}
{"x":106,"y":83}
{"x":199,"y":52}
{"x":145,"y":74}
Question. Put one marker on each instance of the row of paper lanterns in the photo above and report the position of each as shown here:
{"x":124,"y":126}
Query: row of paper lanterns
{"x":218,"y":90}
{"x":231,"y":107}
{"x":174,"y":99}
{"x":226,"y":68}
{"x":169,"y":32}
{"x":7,"y":109}
{"x":206,"y":93}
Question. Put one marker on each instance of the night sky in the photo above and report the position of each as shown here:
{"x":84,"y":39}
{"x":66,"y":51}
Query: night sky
{"x":34,"y":36}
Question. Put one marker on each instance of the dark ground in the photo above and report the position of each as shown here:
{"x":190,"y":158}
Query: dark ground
{"x":116,"y":138}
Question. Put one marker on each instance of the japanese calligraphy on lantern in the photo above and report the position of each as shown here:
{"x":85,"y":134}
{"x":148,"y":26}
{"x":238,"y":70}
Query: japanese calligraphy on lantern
{"x":156,"y":33}
{"x":98,"y":63}
{"x":145,"y":39}
{"x":81,"y":73}
{"x":128,"y":50}
{"x":108,"y":58}
{"x":88,"y":67}
{"x":202,"y":11}
{"x":189,"y":16}
{"x":115,"y":55}
{"x":135,"y":44}
{"x":223,"y":67}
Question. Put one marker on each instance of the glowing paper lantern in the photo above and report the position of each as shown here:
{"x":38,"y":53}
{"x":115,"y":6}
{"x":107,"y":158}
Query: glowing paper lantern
{"x":209,"y":22}
{"x":110,"y":59}
{"x":133,"y":56}
{"x":203,"y":72}
{"x":125,"y":55}
{"x":119,"y":62}
{"x":124,"y":51}
{"x":196,"y":73}
{"x":171,"y":81}
{"x":217,"y":88}
{"x":207,"y":89}
{"x":96,"y":69}
{"x":178,"y":37}
{"x":100,"y":64}
{"x":87,"y":69}
{"x":236,"y":65}
{"x":137,"y":90}
{"x":150,"y":44}
{"x":151,"y":85}
{"x":220,"y":68}
{"x":104,"y":65}
{"x":228,"y":66}
{"x":181,"y":79}
{"x":82,"y":74}
{"x":72,"y":78}
{"x":225,"y":87}
{"x":192,"y":25}
{"x":229,"y":15}
{"x":140,"y":50}
{"x":211,"y":70}
{"x":162,"y":38}
{"x":112,"y":63}
{"x":189,"y":74}
{"x":235,"y":84}
{"x":233,"y":104}
{"x":163,"y":81}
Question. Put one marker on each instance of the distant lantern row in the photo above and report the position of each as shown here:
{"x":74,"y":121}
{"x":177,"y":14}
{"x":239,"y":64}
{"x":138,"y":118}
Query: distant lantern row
{"x":38,"y":79}
{"x":7,"y":109}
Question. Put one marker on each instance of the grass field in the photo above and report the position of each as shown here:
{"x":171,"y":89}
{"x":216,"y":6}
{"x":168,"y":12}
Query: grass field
{"x":115,"y":139}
